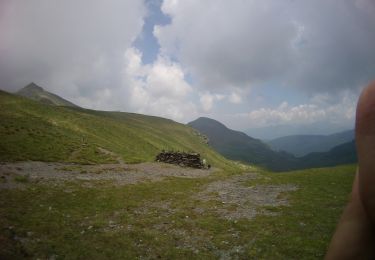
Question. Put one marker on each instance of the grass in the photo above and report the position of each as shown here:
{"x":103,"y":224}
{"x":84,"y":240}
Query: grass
{"x":22,"y":178}
{"x":33,"y":131}
{"x":159,"y":220}
{"x":305,"y":229}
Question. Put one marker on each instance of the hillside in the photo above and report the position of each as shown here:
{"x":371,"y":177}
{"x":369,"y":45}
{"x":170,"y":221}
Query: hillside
{"x":300,"y":145}
{"x":342,"y":154}
{"x":37,"y":93}
{"x":236,"y":145}
{"x":33,"y":131}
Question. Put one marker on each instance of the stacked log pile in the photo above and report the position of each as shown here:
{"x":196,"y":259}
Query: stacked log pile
{"x":181,"y":158}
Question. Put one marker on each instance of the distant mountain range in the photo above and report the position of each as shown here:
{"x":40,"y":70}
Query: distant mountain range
{"x":300,"y":145}
{"x":37,"y":93}
{"x":236,"y":145}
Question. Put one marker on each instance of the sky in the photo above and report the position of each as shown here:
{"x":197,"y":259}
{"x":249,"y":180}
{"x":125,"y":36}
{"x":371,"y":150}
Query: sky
{"x":248,"y":64}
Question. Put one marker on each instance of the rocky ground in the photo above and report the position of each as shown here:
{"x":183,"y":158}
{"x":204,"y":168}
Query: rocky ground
{"x":230,"y":198}
{"x":238,"y":200}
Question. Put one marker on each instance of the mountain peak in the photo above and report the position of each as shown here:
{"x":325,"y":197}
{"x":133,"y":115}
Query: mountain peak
{"x":37,"y":93}
{"x":208,"y":122}
{"x":33,"y":87}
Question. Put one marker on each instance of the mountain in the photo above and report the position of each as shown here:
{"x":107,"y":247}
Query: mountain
{"x":236,"y":145}
{"x":301,"y":145}
{"x":31,"y":130}
{"x":276,"y":131}
{"x":37,"y":93}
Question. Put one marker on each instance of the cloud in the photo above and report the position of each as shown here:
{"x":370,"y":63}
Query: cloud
{"x":305,"y":113}
{"x":208,"y":99}
{"x":336,"y":52}
{"x":235,"y":98}
{"x":227,"y":43}
{"x":166,"y":79}
{"x":73,"y":47}
{"x":312,"y":45}
{"x":157,"y":89}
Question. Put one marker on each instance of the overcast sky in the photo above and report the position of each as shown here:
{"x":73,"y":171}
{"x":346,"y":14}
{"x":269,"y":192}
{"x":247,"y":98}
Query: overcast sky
{"x":246,"y":63}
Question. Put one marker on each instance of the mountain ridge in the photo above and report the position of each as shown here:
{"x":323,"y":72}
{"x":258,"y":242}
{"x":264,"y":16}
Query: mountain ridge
{"x":237,"y":145}
{"x":33,"y":131}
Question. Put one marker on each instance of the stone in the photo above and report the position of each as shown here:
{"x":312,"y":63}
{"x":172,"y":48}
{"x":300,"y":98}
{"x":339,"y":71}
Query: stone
{"x":182,"y":159}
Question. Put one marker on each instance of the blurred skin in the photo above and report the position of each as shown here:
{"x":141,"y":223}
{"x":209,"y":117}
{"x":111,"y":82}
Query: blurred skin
{"x":355,"y":234}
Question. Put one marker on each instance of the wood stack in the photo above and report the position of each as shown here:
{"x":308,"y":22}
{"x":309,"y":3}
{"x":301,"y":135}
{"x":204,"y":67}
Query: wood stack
{"x":181,"y":158}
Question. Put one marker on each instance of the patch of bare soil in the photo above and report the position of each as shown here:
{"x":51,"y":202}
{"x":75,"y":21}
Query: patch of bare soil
{"x":15,"y":175}
{"x":240,"y":201}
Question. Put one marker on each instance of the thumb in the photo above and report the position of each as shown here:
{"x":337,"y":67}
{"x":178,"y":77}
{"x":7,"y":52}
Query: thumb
{"x":365,"y":141}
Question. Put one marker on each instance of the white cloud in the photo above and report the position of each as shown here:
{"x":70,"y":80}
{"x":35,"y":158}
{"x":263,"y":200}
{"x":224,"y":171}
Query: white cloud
{"x":208,"y":99}
{"x":157,"y":89}
{"x":166,"y":79}
{"x":235,"y":98}
{"x":285,"y":114}
{"x":320,"y":110}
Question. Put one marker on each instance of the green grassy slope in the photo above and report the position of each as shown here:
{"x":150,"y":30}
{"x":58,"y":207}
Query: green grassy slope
{"x":30,"y":130}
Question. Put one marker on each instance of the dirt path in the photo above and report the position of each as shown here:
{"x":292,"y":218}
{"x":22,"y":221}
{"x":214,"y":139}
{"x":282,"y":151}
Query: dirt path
{"x":237,"y":200}
{"x":13,"y":174}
